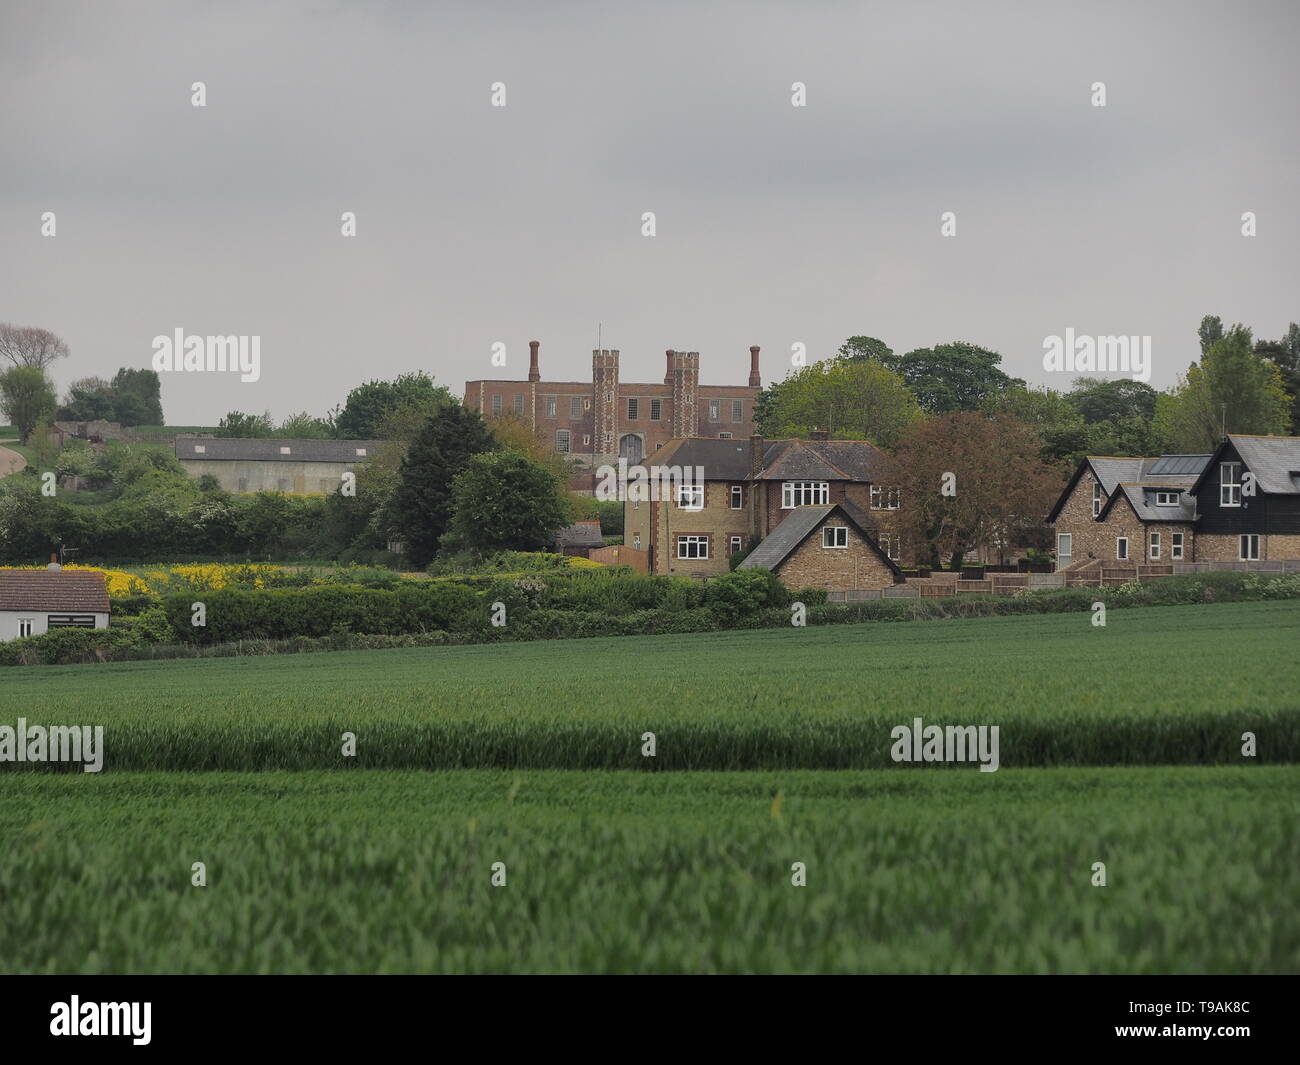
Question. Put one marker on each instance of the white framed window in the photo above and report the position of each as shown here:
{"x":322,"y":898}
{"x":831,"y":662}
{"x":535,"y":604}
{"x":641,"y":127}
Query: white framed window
{"x":25,"y":626}
{"x":1121,"y":547}
{"x":563,"y":440}
{"x":519,"y":404}
{"x":1176,"y":546}
{"x":636,"y":541}
{"x":737,"y":410}
{"x":656,"y":409}
{"x":884,"y":498}
{"x":805,"y":494}
{"x":496,"y":404}
{"x":692,"y":547}
{"x":737,"y":496}
{"x":737,"y":545}
{"x":1064,"y":547}
{"x":1098,"y":499}
{"x":575,"y":408}
{"x":633,"y":409}
{"x":1154,"y":548}
{"x":550,"y":406}
{"x":285,"y":451}
{"x":1229,"y":484}
{"x":835,"y":536}
{"x":690,"y":496}
{"x":1248,"y":547}
{"x":715,"y":410}
{"x":200,"y":449}
{"x":892,"y":546}
{"x":586,"y":440}
{"x":361,"y":452}
{"x":1166,"y":499}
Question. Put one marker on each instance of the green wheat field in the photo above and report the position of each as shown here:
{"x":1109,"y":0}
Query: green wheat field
{"x":1119,"y":745}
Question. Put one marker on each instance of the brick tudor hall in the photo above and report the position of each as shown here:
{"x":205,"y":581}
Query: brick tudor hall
{"x":597,"y":422}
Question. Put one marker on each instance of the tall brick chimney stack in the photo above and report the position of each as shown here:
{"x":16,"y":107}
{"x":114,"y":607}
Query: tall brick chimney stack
{"x":668,"y":367}
{"x":754,"y":380}
{"x":757,"y":446}
{"x":534,"y":374}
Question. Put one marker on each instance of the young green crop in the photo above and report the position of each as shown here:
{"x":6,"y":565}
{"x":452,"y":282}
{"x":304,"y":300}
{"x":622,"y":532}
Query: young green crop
{"x":1171,"y":685}
{"x":907,"y":871}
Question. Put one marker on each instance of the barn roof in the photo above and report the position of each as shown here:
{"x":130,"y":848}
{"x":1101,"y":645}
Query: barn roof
{"x":271,"y":449}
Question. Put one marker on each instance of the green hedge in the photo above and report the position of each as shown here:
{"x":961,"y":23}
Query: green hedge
{"x":555,"y":606}
{"x":282,"y":613}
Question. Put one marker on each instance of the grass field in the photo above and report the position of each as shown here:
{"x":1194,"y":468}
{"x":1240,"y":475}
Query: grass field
{"x":324,"y":864}
{"x":1156,"y":686}
{"x":629,"y":872}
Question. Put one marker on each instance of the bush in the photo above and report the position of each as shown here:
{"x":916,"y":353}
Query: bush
{"x":744,"y":592}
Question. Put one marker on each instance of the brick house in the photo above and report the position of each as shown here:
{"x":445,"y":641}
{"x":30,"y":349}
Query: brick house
{"x":1184,"y":508}
{"x":746,"y":492}
{"x":597,"y":422}
{"x":1128,"y":509}
{"x":824,"y":547}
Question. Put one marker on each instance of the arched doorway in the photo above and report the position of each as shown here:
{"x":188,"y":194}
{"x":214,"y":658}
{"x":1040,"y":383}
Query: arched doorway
{"x":631,"y":448}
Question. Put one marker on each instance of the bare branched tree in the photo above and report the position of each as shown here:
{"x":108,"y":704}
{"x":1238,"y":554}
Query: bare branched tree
{"x":28,"y":346}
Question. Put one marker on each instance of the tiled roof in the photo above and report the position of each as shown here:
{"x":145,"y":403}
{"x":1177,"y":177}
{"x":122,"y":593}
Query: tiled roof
{"x":821,"y":460}
{"x":56,"y":591}
{"x":778,"y":544}
{"x":270,"y":449}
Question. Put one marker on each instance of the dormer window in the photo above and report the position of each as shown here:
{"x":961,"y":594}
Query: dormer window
{"x":1098,"y":498}
{"x":284,"y":451}
{"x":1229,"y":484}
{"x":361,"y":452}
{"x":200,"y":449}
{"x":1166,"y":499}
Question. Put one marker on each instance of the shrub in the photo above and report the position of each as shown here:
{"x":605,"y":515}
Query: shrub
{"x":742,"y":593}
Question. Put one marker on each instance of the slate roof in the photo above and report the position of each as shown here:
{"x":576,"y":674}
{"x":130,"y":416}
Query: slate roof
{"x":238,"y":449}
{"x":55,"y":591}
{"x":580,"y":534}
{"x":783,"y":460}
{"x":1274,"y":460}
{"x":1168,"y":471}
{"x":721,"y":460}
{"x":801,"y":522}
{"x":1142,"y":497}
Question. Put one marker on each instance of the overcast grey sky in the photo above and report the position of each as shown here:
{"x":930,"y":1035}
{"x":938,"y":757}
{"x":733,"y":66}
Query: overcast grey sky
{"x":775,"y":224}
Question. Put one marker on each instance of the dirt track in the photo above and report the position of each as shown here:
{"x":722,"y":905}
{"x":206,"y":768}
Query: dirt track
{"x":10,"y":462}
